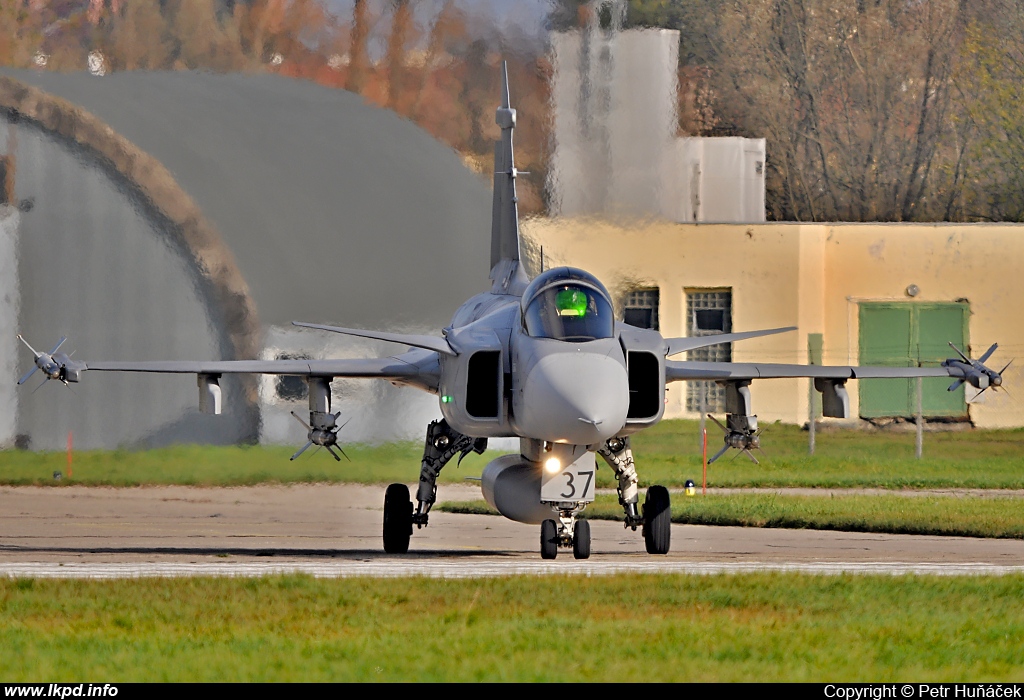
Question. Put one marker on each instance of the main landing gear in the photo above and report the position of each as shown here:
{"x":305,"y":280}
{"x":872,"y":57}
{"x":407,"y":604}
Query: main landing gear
{"x":441,"y":445}
{"x":656,"y":519}
{"x":657,"y":527}
{"x":397,"y":519}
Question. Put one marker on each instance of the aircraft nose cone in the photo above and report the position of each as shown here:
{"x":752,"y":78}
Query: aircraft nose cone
{"x":575,"y":397}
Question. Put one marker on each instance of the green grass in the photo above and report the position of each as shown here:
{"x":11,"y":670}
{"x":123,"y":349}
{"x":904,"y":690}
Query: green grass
{"x":757,"y":627}
{"x":669,"y":453}
{"x":917,"y":515}
{"x":227,"y":466}
{"x":666,"y":454}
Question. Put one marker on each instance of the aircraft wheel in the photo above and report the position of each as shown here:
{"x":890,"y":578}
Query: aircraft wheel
{"x":397,"y":519}
{"x":548,"y":539}
{"x":657,"y":520}
{"x":581,"y":540}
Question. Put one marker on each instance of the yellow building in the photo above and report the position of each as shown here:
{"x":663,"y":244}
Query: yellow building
{"x":891,"y":294}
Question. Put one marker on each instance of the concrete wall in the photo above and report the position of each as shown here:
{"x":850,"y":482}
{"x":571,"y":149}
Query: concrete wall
{"x":720,"y":179}
{"x":812,"y":276}
{"x":616,"y":150}
{"x":614,"y":113}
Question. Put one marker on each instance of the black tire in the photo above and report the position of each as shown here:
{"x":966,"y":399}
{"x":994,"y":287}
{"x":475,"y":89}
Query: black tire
{"x":548,"y":539}
{"x":657,"y":520}
{"x":397,"y":519}
{"x":581,"y":540}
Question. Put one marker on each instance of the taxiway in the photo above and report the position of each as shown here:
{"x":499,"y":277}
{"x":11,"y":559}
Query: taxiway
{"x":334,"y":530}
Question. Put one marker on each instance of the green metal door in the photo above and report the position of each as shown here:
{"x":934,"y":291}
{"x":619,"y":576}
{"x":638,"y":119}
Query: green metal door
{"x":885,"y":339}
{"x":896,"y":334}
{"x":937,"y":326}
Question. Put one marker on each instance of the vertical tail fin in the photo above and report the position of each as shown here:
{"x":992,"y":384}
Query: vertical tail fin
{"x":506,"y":270}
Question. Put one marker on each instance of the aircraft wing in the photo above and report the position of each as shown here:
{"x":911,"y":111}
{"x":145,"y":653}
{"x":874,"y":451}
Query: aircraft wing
{"x":417,"y":367}
{"x":382,"y":368}
{"x":683,"y":370}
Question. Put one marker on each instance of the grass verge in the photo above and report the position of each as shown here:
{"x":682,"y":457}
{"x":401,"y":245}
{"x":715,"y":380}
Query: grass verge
{"x":197,"y":465}
{"x":665,"y":454}
{"x":756,"y":627}
{"x":916,"y":515}
{"x":669,"y":453}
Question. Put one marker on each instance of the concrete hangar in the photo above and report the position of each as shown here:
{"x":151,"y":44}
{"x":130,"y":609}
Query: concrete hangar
{"x":194,"y":216}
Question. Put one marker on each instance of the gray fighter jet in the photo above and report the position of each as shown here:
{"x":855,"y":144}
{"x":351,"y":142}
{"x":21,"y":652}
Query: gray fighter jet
{"x":544,"y":361}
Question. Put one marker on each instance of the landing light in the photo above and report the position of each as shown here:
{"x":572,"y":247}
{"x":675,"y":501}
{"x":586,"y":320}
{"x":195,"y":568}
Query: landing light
{"x":553,"y":465}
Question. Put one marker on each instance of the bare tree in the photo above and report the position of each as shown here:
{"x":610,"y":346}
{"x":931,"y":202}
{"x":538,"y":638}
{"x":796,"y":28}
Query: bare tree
{"x":991,"y":84}
{"x":358,"y":59}
{"x":401,"y":26}
{"x":855,"y":100}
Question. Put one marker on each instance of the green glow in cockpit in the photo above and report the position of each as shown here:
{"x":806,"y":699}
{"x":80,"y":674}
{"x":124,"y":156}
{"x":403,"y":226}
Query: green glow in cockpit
{"x":571,"y":302}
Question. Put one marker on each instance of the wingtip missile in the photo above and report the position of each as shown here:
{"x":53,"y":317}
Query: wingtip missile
{"x":974,"y":372}
{"x":54,"y":366}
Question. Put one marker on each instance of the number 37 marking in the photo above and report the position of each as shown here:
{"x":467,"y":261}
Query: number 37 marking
{"x":570,"y":486}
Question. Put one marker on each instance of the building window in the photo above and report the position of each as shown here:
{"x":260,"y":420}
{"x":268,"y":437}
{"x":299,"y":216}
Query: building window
{"x":708,"y":312}
{"x":291,"y":388}
{"x":640,"y":308}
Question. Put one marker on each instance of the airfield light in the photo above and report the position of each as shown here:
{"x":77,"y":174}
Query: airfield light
{"x":553,"y":465}
{"x":571,"y":302}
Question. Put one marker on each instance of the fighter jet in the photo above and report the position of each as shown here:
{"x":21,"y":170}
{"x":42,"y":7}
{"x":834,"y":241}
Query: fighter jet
{"x":542,"y":360}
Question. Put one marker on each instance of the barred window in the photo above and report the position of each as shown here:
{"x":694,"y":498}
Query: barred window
{"x":708,"y":312}
{"x":640,"y":308}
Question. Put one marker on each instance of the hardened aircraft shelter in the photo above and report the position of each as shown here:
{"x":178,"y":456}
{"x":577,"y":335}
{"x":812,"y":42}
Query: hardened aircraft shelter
{"x":185,"y":215}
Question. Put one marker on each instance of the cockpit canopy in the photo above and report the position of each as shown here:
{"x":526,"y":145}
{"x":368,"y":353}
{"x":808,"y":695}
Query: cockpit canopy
{"x":567,"y":304}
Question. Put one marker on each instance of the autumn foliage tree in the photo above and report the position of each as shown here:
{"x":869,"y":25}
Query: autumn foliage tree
{"x":891,"y":110}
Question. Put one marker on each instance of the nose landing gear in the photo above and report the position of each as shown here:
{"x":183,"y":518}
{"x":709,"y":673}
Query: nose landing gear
{"x":567,"y":532}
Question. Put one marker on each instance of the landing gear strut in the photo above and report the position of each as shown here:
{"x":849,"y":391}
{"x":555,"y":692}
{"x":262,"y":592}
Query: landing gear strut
{"x":442,"y":443}
{"x":618,"y":453}
{"x":656,"y":519}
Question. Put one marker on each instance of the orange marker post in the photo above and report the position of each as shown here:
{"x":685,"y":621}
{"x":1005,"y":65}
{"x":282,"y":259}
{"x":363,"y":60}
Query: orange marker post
{"x":704,"y":484}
